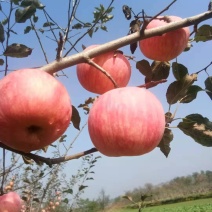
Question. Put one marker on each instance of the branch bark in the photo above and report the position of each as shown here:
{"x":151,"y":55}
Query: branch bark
{"x":50,"y":161}
{"x":126,"y":40}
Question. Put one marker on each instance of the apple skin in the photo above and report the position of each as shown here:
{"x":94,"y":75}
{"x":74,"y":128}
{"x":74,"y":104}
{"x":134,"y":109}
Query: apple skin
{"x":126,"y":121}
{"x":10,"y":202}
{"x":167,"y":46}
{"x":93,"y":80}
{"x":35,"y":109}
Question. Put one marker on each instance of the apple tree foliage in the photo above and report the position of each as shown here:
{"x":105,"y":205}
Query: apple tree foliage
{"x":39,"y":184}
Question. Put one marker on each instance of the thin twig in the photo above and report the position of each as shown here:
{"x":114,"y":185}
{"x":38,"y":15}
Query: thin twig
{"x":39,"y":40}
{"x":162,"y":11}
{"x":91,"y":62}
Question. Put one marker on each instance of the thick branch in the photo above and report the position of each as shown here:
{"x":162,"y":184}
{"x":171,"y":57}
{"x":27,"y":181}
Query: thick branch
{"x":116,"y":44}
{"x":50,"y":161}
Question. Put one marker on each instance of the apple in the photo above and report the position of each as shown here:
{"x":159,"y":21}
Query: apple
{"x":10,"y":202}
{"x":167,"y":46}
{"x":126,"y":121}
{"x":114,"y":63}
{"x":35,"y":109}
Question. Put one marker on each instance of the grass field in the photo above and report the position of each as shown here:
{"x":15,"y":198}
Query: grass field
{"x":203,"y":205}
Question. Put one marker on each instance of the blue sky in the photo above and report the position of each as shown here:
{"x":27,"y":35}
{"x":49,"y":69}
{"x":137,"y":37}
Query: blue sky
{"x":117,"y":175}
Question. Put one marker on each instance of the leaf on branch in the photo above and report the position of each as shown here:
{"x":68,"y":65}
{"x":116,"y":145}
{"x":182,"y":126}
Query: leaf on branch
{"x":160,"y":70}
{"x":48,"y":24}
{"x":27,"y":160}
{"x":144,"y":68}
{"x":164,"y":144}
{"x":204,"y":33}
{"x":62,"y":138}
{"x":77,"y":26}
{"x":191,"y":94}
{"x":27,"y":29}
{"x":82,"y":187}
{"x":197,"y":127}
{"x":127,"y":12}
{"x":21,"y":15}
{"x":208,"y":86}
{"x":135,"y":26}
{"x":179,"y":70}
{"x":1,"y":62}
{"x":36,"y":3}
{"x":2,"y":38}
{"x":17,"y":50}
{"x":75,"y":118}
{"x":178,"y":89}
{"x":69,"y":191}
{"x":210,"y":6}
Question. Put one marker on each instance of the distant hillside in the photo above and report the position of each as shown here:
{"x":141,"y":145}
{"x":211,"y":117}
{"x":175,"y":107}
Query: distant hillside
{"x":194,"y":186}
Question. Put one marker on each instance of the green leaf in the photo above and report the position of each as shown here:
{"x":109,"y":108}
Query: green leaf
{"x":191,"y":94}
{"x":69,"y":191}
{"x":35,"y":3}
{"x":35,"y":18}
{"x":197,"y":127}
{"x":82,"y":187}
{"x":65,"y":201}
{"x":27,"y":29}
{"x":164,"y":144}
{"x":75,"y":118}
{"x":204,"y":33}
{"x":179,"y":70}
{"x":16,"y":2}
{"x":62,"y":138}
{"x":21,"y":15}
{"x":104,"y":28}
{"x":178,"y":89}
{"x":48,"y":24}
{"x":208,"y":86}
{"x":160,"y":70}
{"x":90,"y":32}
{"x":77,"y":26}
{"x":5,"y":21}
{"x":144,"y":67}
{"x":17,"y":50}
{"x":1,"y":62}
{"x":2,"y":38}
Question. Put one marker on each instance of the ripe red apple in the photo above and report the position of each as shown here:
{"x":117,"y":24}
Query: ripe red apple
{"x":93,"y":80}
{"x":126,"y":121}
{"x":10,"y":202}
{"x":35,"y":109}
{"x":167,"y":46}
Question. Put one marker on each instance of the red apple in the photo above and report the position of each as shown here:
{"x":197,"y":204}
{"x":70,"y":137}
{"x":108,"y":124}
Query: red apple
{"x":126,"y":121}
{"x":167,"y":46}
{"x":93,"y":80}
{"x":10,"y":202}
{"x":35,"y":109}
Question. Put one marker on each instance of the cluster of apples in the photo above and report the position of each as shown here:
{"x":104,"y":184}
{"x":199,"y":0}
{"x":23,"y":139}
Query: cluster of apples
{"x":35,"y":108}
{"x":129,"y":121}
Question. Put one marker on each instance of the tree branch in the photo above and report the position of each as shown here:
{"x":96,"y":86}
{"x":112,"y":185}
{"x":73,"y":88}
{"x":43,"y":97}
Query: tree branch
{"x":50,"y":161}
{"x":126,"y":40}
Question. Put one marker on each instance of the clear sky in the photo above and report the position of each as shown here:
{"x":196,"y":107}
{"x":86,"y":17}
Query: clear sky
{"x":117,"y":175}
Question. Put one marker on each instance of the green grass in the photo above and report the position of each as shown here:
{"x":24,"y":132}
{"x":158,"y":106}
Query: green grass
{"x":203,"y":205}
